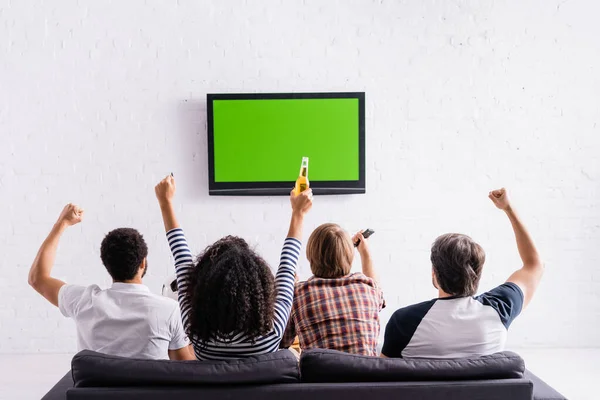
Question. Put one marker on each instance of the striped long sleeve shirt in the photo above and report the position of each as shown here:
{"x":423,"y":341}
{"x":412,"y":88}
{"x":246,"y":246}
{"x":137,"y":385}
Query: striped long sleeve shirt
{"x":240,"y":345}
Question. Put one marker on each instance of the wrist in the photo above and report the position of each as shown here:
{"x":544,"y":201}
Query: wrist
{"x":60,"y":225}
{"x":165,"y":203}
{"x":297,"y":214}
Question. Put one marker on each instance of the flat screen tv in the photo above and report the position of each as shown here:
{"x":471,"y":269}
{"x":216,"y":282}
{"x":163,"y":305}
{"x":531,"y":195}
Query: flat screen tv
{"x":256,"y":142}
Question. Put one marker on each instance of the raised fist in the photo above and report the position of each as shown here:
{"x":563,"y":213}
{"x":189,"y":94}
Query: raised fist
{"x":165,"y":190}
{"x":302,"y":202}
{"x":71,"y":215}
{"x":500,"y":198}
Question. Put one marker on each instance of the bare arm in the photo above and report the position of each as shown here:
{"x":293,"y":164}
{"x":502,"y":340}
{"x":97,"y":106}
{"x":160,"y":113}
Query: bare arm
{"x":296,"y":225}
{"x":301,"y":204}
{"x":367,"y":267}
{"x":168,"y":215}
{"x":165,"y":191}
{"x":183,"y":354}
{"x":39,"y":274}
{"x":529,"y":275}
{"x":365,"y":256}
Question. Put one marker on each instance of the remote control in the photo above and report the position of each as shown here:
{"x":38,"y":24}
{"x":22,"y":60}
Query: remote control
{"x":366,"y":234}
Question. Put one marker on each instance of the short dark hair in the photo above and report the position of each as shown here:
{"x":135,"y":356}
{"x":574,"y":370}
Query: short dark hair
{"x":232,"y":291}
{"x":330,"y":251}
{"x":457,"y":263}
{"x":122,"y":252}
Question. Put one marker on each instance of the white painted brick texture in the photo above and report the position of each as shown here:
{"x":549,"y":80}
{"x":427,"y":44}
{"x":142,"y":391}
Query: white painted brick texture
{"x":98,"y":100}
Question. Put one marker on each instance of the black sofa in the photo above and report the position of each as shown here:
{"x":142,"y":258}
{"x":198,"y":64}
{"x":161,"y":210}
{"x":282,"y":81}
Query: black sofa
{"x":320,"y":375}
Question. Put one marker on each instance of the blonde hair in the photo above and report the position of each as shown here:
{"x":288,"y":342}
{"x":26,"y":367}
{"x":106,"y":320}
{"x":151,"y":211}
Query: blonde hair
{"x":330,"y":251}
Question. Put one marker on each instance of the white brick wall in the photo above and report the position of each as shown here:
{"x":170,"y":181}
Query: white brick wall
{"x":98,"y":100}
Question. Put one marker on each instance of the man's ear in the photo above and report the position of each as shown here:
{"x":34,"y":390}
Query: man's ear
{"x":143,"y":267}
{"x":434,"y":279}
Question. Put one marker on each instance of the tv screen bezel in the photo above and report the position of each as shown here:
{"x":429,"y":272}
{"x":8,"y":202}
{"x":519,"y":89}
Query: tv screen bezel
{"x":284,"y":188}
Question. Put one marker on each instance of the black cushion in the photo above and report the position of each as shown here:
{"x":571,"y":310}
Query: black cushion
{"x":318,"y":365}
{"x":91,"y":369}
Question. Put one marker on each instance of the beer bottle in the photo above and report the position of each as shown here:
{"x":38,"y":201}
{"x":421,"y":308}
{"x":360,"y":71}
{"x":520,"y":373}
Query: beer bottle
{"x":302,"y":181}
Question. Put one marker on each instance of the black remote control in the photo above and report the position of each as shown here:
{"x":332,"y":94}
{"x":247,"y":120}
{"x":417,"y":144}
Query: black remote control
{"x":366,"y":234}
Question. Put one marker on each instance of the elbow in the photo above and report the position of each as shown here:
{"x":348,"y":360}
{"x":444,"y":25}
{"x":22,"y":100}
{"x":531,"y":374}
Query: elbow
{"x":536,"y":265}
{"x":284,"y":345}
{"x":32,"y":281}
{"x":540,"y":269}
{"x":539,"y":264}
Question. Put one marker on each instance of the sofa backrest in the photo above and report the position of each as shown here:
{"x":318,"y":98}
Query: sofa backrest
{"x":329,"y":366}
{"x":91,"y":369}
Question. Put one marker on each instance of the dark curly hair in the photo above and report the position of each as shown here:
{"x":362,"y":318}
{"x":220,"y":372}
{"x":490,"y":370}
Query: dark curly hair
{"x":457,"y":262}
{"x":122,"y":252}
{"x":232,"y":291}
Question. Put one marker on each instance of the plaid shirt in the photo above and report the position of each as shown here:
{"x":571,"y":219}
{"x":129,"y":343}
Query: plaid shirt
{"x":339,"y":314}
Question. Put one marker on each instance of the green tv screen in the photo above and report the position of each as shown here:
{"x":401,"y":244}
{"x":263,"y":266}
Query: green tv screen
{"x":257,"y":141}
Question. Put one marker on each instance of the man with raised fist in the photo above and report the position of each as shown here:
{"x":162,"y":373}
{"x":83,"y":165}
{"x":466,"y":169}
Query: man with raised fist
{"x":125,"y":319}
{"x":457,"y":323}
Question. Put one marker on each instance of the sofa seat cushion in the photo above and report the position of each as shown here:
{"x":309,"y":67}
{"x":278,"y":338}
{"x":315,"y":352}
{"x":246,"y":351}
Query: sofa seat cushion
{"x":318,"y":365}
{"x":91,"y":369}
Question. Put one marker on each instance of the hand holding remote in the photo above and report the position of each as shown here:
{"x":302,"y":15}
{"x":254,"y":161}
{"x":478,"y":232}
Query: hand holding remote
{"x":165,"y":190}
{"x":360,"y":241}
{"x":362,"y":244}
{"x":359,"y":236}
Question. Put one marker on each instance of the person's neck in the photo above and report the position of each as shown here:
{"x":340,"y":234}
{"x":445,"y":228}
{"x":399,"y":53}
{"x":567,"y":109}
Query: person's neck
{"x":442,"y":294}
{"x":136,"y":280}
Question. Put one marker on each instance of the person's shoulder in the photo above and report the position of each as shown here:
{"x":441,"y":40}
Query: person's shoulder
{"x":413,"y":311}
{"x":507,"y":291}
{"x":79,"y":290}
{"x":72,"y":297}
{"x":365,"y":283}
{"x":88,"y":288}
{"x":402,"y":326}
{"x":167,"y":302}
{"x":417,"y":306}
{"x":359,"y":276}
{"x":356,"y":278}
{"x":302,"y":286}
{"x":506,"y":299}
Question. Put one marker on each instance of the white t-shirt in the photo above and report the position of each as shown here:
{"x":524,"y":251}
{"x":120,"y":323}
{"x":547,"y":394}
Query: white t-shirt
{"x":124,"y":320}
{"x":454,"y":327}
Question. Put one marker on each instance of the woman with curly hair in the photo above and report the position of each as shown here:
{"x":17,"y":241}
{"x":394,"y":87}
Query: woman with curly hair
{"x":231,"y":305}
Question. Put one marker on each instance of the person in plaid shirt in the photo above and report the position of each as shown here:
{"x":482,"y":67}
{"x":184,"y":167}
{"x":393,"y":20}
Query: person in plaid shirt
{"x":335,"y":309}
